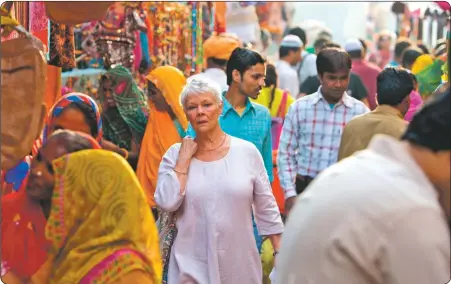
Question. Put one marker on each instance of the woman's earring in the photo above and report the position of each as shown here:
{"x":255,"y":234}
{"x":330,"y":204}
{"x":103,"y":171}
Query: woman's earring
{"x":39,"y":173}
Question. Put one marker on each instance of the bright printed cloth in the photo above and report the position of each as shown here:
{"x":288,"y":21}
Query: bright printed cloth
{"x":15,"y":178}
{"x":311,"y":137}
{"x":130,"y":119}
{"x":99,"y":209}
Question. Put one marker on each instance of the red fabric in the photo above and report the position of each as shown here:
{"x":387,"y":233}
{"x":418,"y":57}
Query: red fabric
{"x":276,"y":188}
{"x":368,"y":73}
{"x":23,"y":240}
{"x":220,"y":17}
{"x":443,"y":4}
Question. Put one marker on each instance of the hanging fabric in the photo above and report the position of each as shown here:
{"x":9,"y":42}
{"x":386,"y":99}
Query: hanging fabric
{"x":62,"y":46}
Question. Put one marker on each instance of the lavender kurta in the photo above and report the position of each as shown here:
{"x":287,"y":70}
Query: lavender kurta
{"x":215,"y":242}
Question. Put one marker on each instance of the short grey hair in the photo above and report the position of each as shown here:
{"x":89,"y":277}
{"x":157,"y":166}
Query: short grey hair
{"x":197,"y":86}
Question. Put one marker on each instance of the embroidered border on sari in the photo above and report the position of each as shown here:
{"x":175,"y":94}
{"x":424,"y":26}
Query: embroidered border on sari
{"x":111,"y":266}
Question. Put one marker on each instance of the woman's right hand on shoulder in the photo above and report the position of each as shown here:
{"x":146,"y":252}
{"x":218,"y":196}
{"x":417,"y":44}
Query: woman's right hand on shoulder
{"x":187,"y":149}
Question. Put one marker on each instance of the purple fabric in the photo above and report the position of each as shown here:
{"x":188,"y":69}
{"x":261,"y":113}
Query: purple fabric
{"x":415,"y":103}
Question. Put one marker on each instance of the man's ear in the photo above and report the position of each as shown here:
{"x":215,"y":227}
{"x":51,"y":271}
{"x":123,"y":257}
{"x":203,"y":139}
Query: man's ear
{"x":320,"y":78}
{"x":41,"y":120}
{"x":236,"y":76}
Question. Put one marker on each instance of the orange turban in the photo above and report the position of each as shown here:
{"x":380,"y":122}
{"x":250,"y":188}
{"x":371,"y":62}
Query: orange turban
{"x":220,"y":46}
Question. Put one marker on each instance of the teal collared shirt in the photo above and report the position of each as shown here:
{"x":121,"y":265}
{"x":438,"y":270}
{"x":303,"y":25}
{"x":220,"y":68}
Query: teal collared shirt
{"x":254,"y":125}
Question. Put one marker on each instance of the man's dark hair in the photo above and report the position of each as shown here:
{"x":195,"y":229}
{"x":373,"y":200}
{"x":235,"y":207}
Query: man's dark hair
{"x":431,"y":126}
{"x":72,"y":140}
{"x":242,"y":59}
{"x":409,"y":56}
{"x":320,"y":43}
{"x":364,"y":46}
{"x":89,"y":114}
{"x":400,"y":46}
{"x":423,"y":48}
{"x":300,"y":33}
{"x":393,"y":86}
{"x":332,"y":59}
{"x":357,"y":54}
{"x":332,"y":44}
{"x":285,"y":50}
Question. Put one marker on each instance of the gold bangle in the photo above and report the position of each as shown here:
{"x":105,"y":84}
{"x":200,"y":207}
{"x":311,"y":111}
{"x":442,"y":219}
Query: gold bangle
{"x":179,"y":172}
{"x":125,"y":153}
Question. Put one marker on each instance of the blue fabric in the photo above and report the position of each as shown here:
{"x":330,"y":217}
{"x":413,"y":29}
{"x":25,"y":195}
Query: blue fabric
{"x":254,"y":125}
{"x":392,"y":64}
{"x":179,"y":127}
{"x":17,"y":175}
{"x":258,"y":238}
{"x":144,"y":46}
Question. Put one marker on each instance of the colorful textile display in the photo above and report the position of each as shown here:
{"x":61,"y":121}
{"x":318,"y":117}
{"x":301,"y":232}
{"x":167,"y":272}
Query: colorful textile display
{"x":62,"y":45}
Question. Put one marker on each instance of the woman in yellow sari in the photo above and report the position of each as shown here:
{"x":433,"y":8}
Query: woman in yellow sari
{"x":167,"y":125}
{"x":100,"y":228}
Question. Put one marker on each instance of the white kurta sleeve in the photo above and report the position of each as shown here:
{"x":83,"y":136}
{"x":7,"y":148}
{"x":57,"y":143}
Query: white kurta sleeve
{"x":167,"y":193}
{"x":267,"y":214}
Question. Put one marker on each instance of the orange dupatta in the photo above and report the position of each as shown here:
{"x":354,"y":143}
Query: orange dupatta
{"x":161,"y":132}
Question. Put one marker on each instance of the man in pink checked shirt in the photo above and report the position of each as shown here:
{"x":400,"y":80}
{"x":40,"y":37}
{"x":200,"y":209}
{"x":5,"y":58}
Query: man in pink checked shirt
{"x":313,"y":127}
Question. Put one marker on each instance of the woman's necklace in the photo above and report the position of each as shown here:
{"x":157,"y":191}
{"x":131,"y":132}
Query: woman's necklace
{"x":222,"y":143}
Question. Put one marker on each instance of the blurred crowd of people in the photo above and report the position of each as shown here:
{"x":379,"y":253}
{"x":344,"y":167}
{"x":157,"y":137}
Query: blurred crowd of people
{"x":316,"y":168}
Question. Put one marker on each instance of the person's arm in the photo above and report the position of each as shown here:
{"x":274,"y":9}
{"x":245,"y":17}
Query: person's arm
{"x":286,"y":157}
{"x":131,"y":157}
{"x":293,"y":85}
{"x":7,"y":275}
{"x":418,"y":248}
{"x":266,"y":212}
{"x":267,"y":151}
{"x":360,"y":92}
{"x":173,"y":174}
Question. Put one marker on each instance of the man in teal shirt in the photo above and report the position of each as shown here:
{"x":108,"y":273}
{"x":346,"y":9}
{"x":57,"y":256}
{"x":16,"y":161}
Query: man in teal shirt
{"x":242,"y":118}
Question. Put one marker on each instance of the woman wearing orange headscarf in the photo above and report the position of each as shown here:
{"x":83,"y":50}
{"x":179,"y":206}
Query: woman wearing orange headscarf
{"x":166,"y":126}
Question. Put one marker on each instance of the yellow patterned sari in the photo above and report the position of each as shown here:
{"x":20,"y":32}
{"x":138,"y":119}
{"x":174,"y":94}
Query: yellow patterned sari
{"x":100,"y":225}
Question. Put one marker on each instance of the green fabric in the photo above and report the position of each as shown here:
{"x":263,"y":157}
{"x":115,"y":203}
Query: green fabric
{"x":310,"y":49}
{"x":430,"y":78}
{"x":132,"y":113}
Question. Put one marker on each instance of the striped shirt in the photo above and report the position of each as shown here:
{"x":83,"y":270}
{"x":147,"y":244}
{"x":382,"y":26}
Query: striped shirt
{"x":311,"y":137}
{"x":254,"y":125}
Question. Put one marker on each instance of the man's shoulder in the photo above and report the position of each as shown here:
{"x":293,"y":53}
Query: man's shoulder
{"x":305,"y":101}
{"x":357,"y":105}
{"x":261,"y":110}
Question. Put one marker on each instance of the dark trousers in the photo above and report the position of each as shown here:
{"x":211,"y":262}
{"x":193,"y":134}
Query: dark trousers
{"x":302,"y":182}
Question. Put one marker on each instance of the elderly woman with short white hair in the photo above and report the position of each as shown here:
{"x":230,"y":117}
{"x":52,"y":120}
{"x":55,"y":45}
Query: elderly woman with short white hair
{"x":212,"y":182}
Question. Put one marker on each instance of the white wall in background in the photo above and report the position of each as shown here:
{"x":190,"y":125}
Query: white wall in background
{"x":344,"y":19}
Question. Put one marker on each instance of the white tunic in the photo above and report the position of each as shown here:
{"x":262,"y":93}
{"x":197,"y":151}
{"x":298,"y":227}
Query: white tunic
{"x":371,"y":218}
{"x":215,"y":243}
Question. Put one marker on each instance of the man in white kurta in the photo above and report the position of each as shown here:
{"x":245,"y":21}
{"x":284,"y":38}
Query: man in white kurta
{"x":377,"y":216}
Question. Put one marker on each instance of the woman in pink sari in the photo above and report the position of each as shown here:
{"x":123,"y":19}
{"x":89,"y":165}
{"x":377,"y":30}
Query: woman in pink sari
{"x":415,"y":101}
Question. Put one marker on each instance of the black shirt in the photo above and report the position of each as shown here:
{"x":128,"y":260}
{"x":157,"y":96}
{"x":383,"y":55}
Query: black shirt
{"x":356,"y":88}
